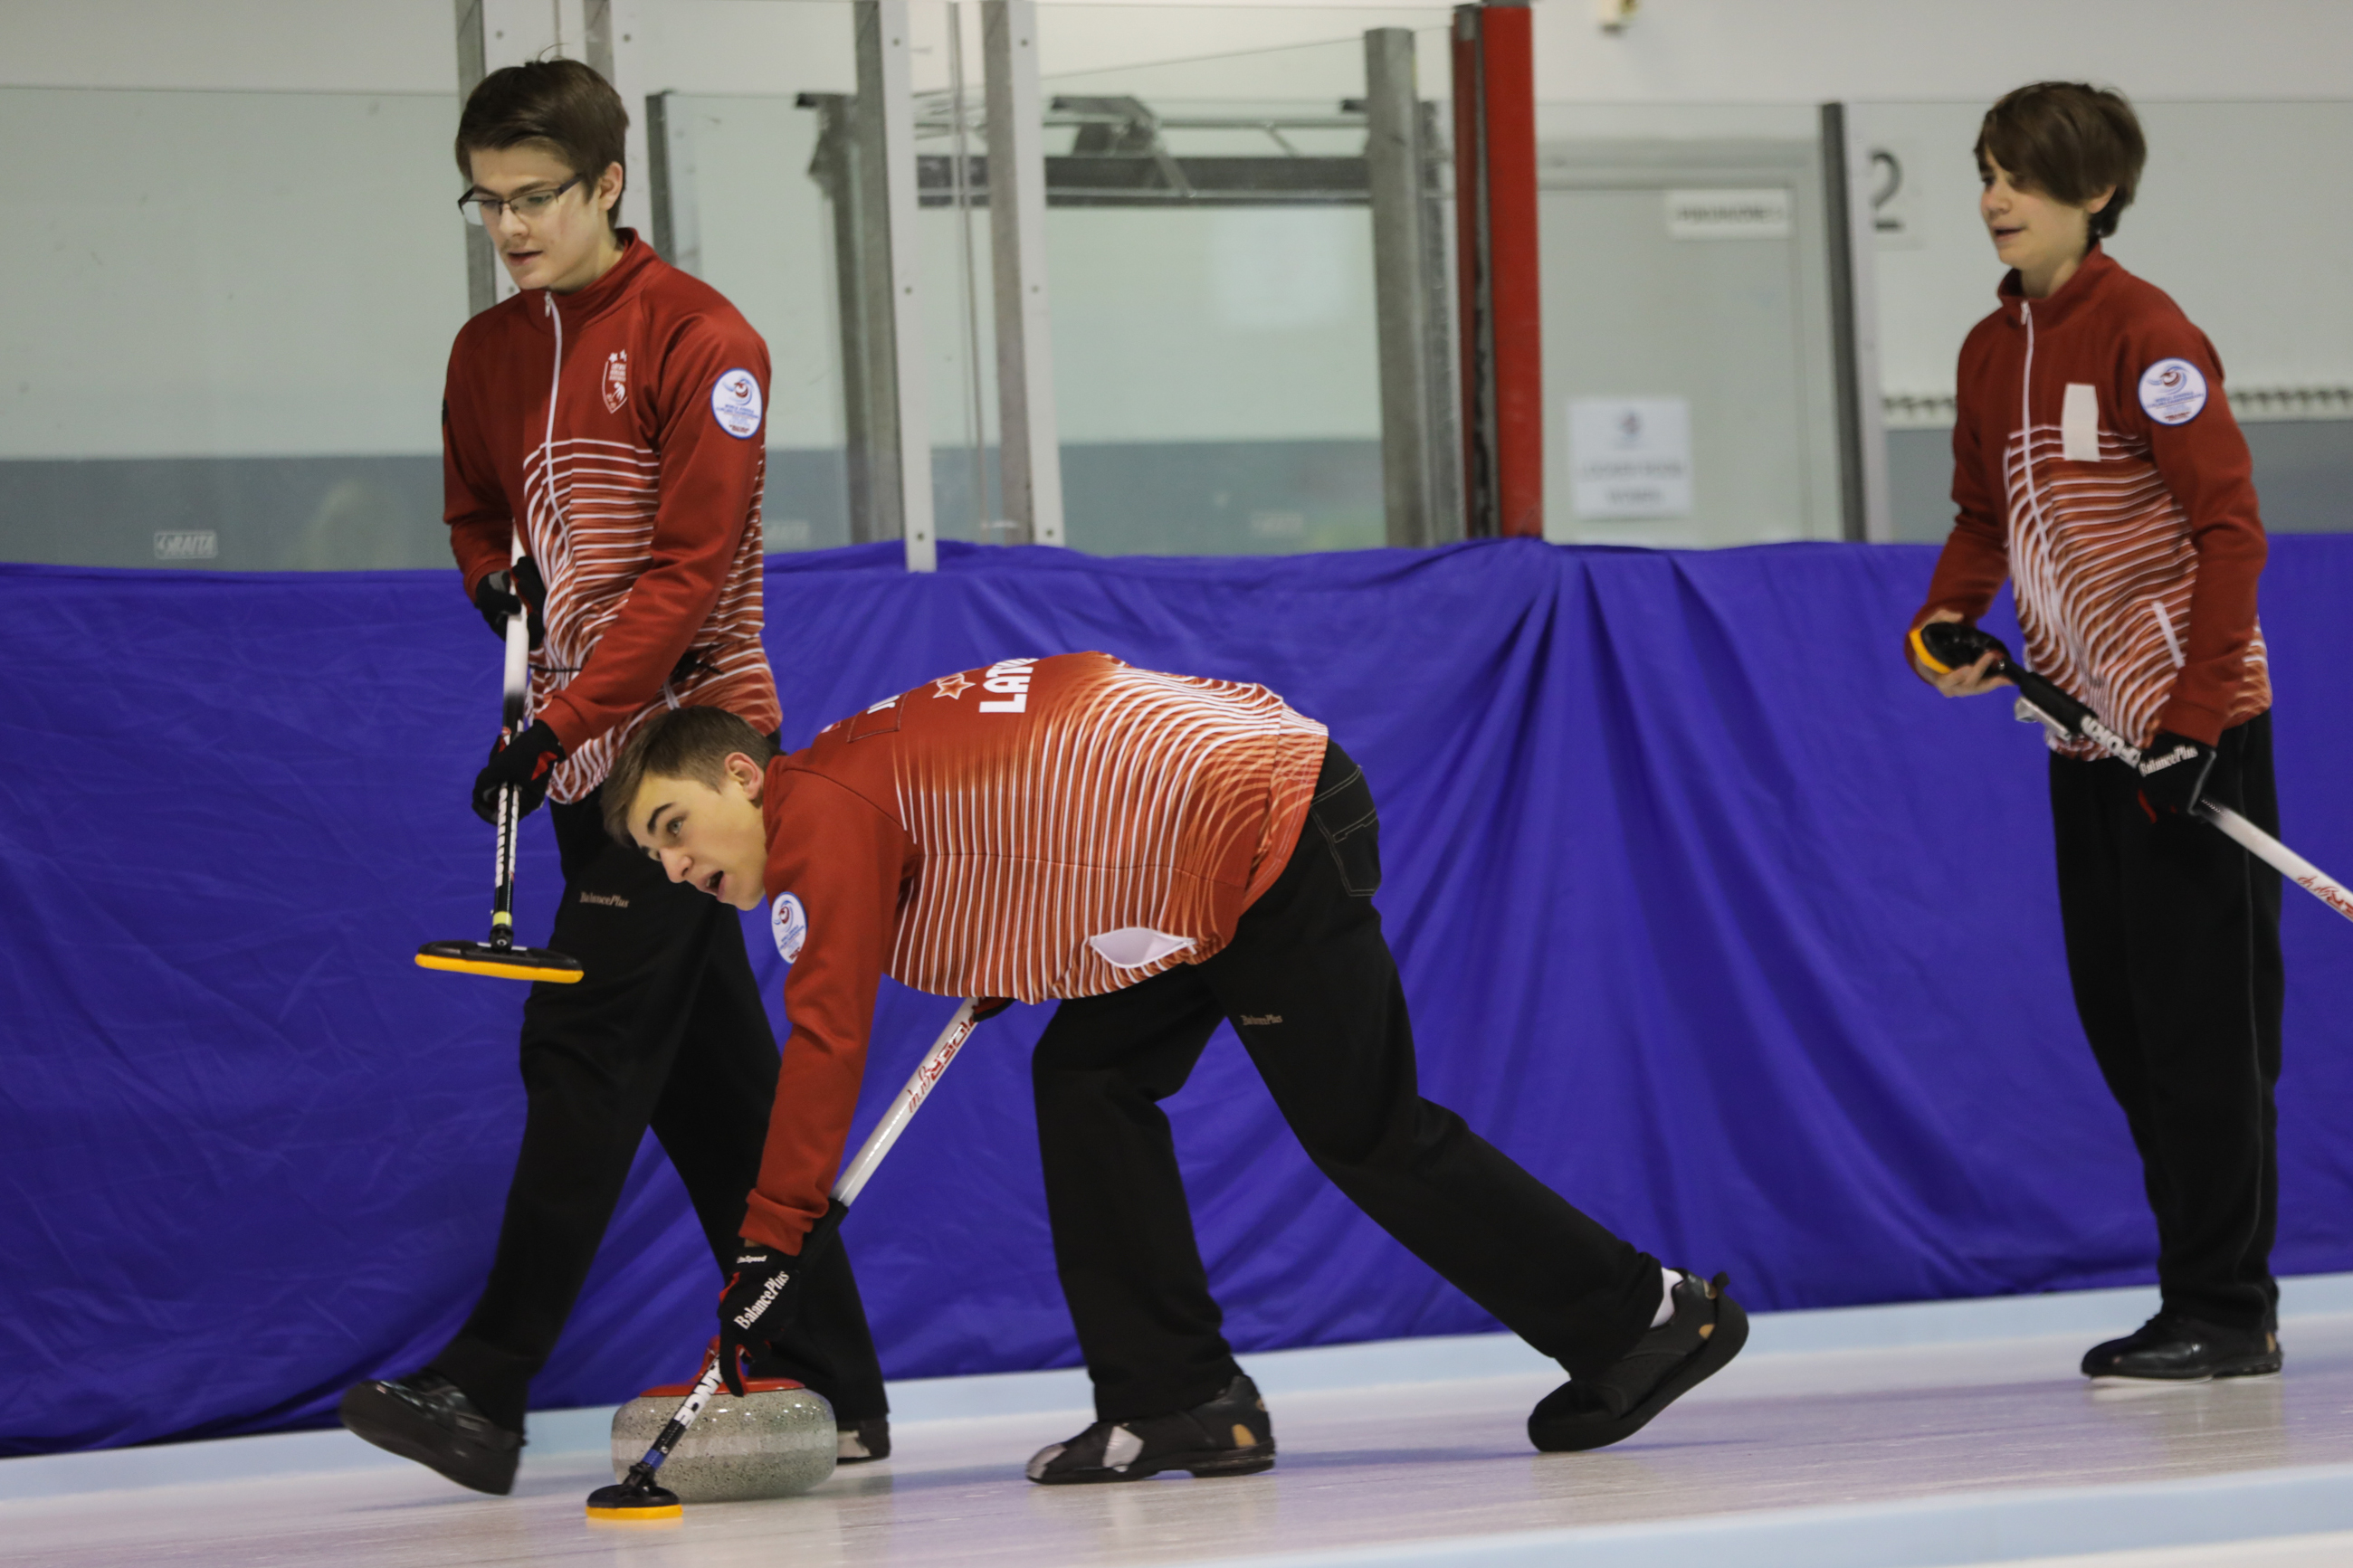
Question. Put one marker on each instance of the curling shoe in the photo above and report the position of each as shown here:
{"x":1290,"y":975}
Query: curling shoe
{"x":1229,"y":1436}
{"x":2170,"y":1348}
{"x":427,"y":1418}
{"x":1707,"y":1330}
{"x":864,"y":1440}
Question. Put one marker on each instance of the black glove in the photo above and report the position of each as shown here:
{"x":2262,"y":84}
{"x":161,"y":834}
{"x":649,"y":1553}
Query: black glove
{"x":496,"y":598}
{"x":759,"y":1301}
{"x":2173,"y":770}
{"x":525,"y":761}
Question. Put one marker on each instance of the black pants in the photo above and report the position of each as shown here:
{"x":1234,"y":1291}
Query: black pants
{"x":1312,"y":991}
{"x":2173,"y":947}
{"x":666,"y":1030}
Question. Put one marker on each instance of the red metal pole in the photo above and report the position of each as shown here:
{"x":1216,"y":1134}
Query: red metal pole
{"x":1508,"y":97}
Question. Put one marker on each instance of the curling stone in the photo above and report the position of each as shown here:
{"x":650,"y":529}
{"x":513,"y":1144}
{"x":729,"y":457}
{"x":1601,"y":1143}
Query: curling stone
{"x":778,"y":1440}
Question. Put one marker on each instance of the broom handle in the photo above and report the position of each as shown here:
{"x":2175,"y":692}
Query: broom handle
{"x":2069,"y":717}
{"x":855,"y":1175}
{"x":2279,"y":857}
{"x":514,"y":692}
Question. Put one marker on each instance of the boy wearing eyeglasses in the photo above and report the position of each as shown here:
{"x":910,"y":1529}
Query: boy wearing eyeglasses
{"x":613,"y":411}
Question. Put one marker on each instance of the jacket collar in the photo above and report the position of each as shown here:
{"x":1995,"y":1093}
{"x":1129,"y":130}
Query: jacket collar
{"x":620,"y":281}
{"x":2076,"y":295}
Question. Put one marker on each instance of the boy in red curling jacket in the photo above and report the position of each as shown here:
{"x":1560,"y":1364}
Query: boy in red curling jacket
{"x":1157,"y":854}
{"x":2095,"y":464}
{"x":612,"y":411}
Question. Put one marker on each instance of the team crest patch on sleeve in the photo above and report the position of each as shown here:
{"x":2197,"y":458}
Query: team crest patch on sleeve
{"x":2172,"y":392}
{"x":736,"y":403}
{"x":789,"y":921}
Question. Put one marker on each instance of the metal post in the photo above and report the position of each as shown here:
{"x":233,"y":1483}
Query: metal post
{"x":673,"y":214}
{"x":482,"y":263}
{"x":1855,"y":330}
{"x":1471,"y":269}
{"x":1029,"y":449}
{"x":495,"y":33}
{"x":961,"y":177}
{"x":886,"y":123}
{"x":597,"y":36}
{"x":611,"y":49}
{"x":1418,"y":459}
{"x":870,"y":406}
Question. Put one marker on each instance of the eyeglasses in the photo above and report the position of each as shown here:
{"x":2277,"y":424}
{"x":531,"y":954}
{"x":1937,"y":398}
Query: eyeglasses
{"x":485,"y":211}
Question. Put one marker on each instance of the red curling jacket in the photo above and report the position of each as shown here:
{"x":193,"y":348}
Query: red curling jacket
{"x":2097,"y":464}
{"x":1039,"y":828}
{"x":623,"y":423}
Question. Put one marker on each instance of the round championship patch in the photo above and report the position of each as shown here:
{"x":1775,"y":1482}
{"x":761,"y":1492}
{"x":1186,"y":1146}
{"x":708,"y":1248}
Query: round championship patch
{"x":789,"y":921}
{"x":736,"y":403}
{"x":2172,"y":392}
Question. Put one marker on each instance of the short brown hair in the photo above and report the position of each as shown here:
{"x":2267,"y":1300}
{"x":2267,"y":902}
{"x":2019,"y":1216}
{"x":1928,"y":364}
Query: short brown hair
{"x":2069,"y":140}
{"x":560,"y":106}
{"x":683,"y":744}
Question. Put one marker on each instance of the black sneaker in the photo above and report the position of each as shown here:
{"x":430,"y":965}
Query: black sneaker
{"x":2172,"y":1348}
{"x":862,"y":1441}
{"x":856,"y":1442}
{"x":1229,"y":1436}
{"x":1706,"y":1331}
{"x":426,"y":1417}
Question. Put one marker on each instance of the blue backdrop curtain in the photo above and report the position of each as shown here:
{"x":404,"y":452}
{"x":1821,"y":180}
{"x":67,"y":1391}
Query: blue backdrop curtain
{"x":1709,"y":913}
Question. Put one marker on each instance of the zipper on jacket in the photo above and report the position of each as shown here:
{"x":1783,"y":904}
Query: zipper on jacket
{"x":547,"y":452}
{"x":2026,"y":416}
{"x":555,"y":385}
{"x":547,"y":463}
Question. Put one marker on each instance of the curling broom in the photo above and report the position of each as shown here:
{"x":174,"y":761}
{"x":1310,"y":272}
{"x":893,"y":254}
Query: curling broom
{"x":500,"y":957}
{"x":635,"y":1499}
{"x":1947,"y":646}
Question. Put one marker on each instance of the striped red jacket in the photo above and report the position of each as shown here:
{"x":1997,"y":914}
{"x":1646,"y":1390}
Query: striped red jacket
{"x":623,"y":423}
{"x":2097,"y":464}
{"x":1042,"y":828}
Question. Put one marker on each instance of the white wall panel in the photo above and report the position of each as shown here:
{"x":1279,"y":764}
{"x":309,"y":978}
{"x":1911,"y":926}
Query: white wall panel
{"x":201,"y":273}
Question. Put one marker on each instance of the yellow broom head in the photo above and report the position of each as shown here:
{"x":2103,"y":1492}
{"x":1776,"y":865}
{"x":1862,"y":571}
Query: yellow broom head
{"x":624,"y":1504}
{"x":499,"y":963}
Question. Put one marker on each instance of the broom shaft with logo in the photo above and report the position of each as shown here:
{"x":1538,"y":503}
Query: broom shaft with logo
{"x":513,"y":694}
{"x":500,"y":956}
{"x":2066,"y":716}
{"x":854,"y":1177}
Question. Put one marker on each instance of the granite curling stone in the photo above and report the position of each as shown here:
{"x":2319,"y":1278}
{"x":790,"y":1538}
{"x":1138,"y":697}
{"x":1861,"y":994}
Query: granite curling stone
{"x":778,"y":1440}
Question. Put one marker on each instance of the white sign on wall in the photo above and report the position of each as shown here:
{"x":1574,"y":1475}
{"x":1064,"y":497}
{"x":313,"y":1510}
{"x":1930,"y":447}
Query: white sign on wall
{"x":1760,"y":214}
{"x":1630,"y":457}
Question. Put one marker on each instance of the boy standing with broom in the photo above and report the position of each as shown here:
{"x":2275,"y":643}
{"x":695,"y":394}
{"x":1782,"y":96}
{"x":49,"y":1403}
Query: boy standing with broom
{"x":612,"y":412}
{"x":2096,"y":466}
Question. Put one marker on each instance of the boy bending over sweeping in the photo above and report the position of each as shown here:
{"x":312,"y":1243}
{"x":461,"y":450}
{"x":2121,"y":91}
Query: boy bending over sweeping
{"x":1157,"y":853}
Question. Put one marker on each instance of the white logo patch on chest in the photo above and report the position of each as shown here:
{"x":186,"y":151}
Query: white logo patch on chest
{"x":617,"y":380}
{"x":2172,"y":392}
{"x":2079,"y":423}
{"x":789,"y":924}
{"x":736,"y":403}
